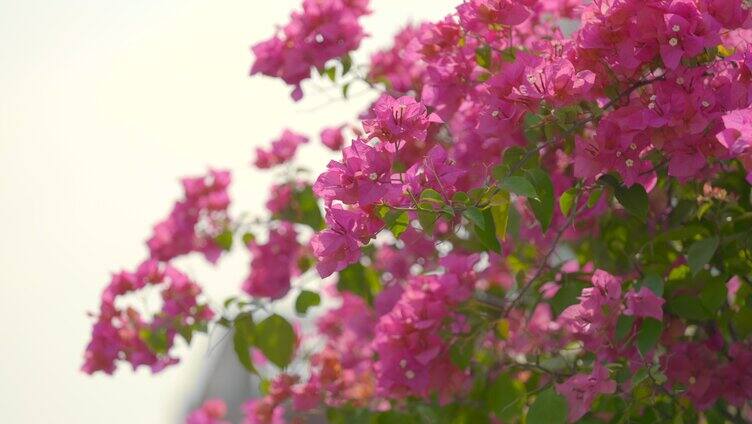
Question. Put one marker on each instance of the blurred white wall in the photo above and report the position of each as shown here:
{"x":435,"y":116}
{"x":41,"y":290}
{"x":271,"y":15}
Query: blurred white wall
{"x":103,"y":105}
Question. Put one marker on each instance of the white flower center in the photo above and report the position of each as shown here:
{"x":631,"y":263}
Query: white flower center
{"x":409,"y":374}
{"x":680,"y":80}
{"x":675,"y":28}
{"x":629,"y":162}
{"x":673,"y":41}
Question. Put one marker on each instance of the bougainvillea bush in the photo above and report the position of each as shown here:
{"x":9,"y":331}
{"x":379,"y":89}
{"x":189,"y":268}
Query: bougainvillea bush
{"x":545,"y":217}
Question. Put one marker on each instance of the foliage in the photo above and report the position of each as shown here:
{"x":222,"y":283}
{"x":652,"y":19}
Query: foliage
{"x":529,"y":227}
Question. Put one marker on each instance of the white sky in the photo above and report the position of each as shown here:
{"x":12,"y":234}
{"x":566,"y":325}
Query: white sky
{"x":103,"y":105}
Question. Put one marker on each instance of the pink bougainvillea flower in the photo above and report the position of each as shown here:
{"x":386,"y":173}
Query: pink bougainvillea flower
{"x":581,"y":390}
{"x":644,"y":303}
{"x":323,"y":30}
{"x":338,"y":246}
{"x":333,"y":138}
{"x":194,"y":221}
{"x":282,"y":150}
{"x":211,"y":412}
{"x":273,"y":264}
{"x":399,"y":120}
{"x":737,"y":135}
{"x":364,"y":176}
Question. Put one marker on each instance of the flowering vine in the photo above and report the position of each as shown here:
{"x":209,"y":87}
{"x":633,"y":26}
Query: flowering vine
{"x":543,"y":217}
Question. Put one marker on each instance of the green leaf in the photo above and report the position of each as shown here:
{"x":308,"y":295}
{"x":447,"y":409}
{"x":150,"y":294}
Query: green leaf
{"x":623,"y":326}
{"x":276,"y":339}
{"x":742,"y":321}
{"x":347,"y":62}
{"x":186,"y":332}
{"x":331,"y":72}
{"x":242,"y":340}
{"x":543,"y":206}
{"x":649,"y":334}
{"x":532,"y":127}
{"x":700,"y":253}
{"x":304,"y":209}
{"x":264,"y":386}
{"x":500,"y":215}
{"x":484,"y":228}
{"x":306,"y":299}
{"x":156,"y":340}
{"x":248,"y":238}
{"x":595,"y":195}
{"x":483,"y":56}
{"x":461,"y":197}
{"x":515,"y":159}
{"x":548,"y":408}
{"x":634,"y":199}
{"x":427,"y":220}
{"x":687,"y":307}
{"x":520,"y":186}
{"x":461,"y":352}
{"x":308,"y":207}
{"x":399,"y":224}
{"x":224,"y":240}
{"x":509,"y":54}
{"x":475,"y":216}
{"x":396,"y":221}
{"x":430,"y":198}
{"x":713,"y":295}
{"x":566,"y":201}
{"x":359,"y":280}
{"x":345,"y":90}
{"x":654,"y":283}
{"x":505,"y":397}
{"x":567,"y":295}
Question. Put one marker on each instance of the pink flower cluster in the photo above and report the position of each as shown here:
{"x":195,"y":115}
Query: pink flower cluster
{"x":339,"y":245}
{"x":365,"y":177}
{"x":399,"y":67}
{"x":212,"y":411}
{"x":268,"y":410}
{"x":124,"y":334}
{"x":273,"y":264}
{"x":341,"y":372}
{"x":413,"y":357}
{"x":593,"y":320}
{"x":282,"y":150}
{"x":710,"y":370}
{"x":280,"y":197}
{"x":323,"y":30}
{"x":332,"y":138}
{"x":478,"y":110}
{"x":195,"y":220}
{"x":679,"y":114}
{"x":399,"y":120}
{"x":580,"y":390}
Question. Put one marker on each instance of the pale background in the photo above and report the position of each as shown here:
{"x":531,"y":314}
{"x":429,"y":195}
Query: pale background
{"x":103,"y":105}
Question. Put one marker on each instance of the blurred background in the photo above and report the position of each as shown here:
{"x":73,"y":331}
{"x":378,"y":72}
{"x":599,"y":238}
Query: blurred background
{"x":104,"y":104}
